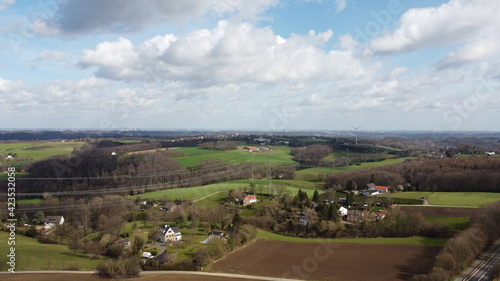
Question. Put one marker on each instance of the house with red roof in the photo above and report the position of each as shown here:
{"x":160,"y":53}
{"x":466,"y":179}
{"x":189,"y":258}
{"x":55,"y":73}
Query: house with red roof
{"x":382,"y":189}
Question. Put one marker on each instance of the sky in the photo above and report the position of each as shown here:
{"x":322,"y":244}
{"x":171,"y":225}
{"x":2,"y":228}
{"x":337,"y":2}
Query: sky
{"x":267,"y":65}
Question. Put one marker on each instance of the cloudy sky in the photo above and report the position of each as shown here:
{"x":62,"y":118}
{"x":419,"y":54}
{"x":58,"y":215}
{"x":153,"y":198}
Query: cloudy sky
{"x":262,"y":64}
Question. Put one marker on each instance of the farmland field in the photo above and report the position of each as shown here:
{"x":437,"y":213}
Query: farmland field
{"x":465,"y":199}
{"x":33,"y":255}
{"x":328,"y":261}
{"x":312,"y":173}
{"x":197,"y":192}
{"x":456,"y":223}
{"x":428,"y":211}
{"x":28,"y":152}
{"x":194,"y":155}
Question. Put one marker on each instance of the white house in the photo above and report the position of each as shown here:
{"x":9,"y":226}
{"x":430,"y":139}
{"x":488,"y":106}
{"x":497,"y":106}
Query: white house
{"x":55,"y":220}
{"x":169,"y":234}
{"x":303,"y":220}
{"x":343,"y":211}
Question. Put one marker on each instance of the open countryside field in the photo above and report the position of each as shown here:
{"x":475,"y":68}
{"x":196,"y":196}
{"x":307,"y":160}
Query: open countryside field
{"x":328,"y":261}
{"x":466,"y":199}
{"x":29,"y":152}
{"x":194,"y":155}
{"x":33,"y":255}
{"x":312,"y":173}
{"x":197,"y":192}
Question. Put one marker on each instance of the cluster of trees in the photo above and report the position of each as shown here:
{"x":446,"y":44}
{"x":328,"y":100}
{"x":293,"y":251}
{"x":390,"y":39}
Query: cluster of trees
{"x":282,"y":216}
{"x":475,"y":173}
{"x":219,"y":145}
{"x":311,"y":155}
{"x":460,"y":251}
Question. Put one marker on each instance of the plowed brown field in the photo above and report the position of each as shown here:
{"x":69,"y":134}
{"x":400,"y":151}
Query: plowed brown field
{"x":329,"y":261}
{"x":440,"y":211}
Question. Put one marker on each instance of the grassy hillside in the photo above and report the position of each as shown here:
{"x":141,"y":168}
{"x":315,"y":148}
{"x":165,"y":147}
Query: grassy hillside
{"x":29,"y":151}
{"x":32,"y":255}
{"x":193,"y":193}
{"x":467,"y":199}
{"x":312,"y":173}
{"x":194,"y":155}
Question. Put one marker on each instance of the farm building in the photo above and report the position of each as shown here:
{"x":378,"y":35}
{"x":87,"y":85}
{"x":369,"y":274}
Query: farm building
{"x":245,"y":199}
{"x":169,"y":234}
{"x":169,"y":207}
{"x":370,"y":192}
{"x":382,"y":189}
{"x":370,"y":186}
{"x":124,"y":242}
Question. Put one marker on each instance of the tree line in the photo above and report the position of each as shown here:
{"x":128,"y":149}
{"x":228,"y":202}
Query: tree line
{"x":474,"y":173}
{"x":460,"y":251}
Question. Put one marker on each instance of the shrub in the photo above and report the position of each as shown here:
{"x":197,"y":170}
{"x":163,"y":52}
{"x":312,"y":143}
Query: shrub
{"x":122,"y":268}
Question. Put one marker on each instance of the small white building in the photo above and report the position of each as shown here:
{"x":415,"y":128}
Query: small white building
{"x":303,"y":220}
{"x":343,"y":211}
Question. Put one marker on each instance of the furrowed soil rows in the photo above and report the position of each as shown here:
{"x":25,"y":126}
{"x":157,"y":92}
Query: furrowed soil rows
{"x":329,"y":261}
{"x":440,"y":211}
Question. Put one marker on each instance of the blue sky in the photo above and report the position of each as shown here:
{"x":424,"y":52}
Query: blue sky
{"x":266,"y":64}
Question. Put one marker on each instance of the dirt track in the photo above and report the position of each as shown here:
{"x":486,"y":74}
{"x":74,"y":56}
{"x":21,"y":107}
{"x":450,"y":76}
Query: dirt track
{"x":329,"y":261}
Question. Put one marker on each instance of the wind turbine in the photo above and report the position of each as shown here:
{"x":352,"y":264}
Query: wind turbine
{"x":356,"y":135}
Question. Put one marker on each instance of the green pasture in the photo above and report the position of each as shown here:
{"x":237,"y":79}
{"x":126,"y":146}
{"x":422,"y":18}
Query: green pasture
{"x":190,"y":193}
{"x":197,"y":192}
{"x":312,"y":173}
{"x":4,"y":176}
{"x":464,"y":199}
{"x":214,"y":199}
{"x":30,"y":151}
{"x":29,"y":201}
{"x":33,"y":255}
{"x":456,"y":223}
{"x":194,"y":155}
{"x":414,"y":240}
{"x":294,"y":183}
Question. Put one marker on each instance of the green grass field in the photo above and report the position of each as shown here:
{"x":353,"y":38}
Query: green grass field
{"x":194,"y":155}
{"x":29,"y":201}
{"x":456,"y":223}
{"x":415,"y":240}
{"x":197,"y":192}
{"x":465,"y":199}
{"x":312,"y":173}
{"x":29,"y":151}
{"x":32,"y":255}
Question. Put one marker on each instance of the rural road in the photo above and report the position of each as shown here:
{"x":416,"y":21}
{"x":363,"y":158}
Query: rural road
{"x":227,"y":275}
{"x":481,"y":269}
